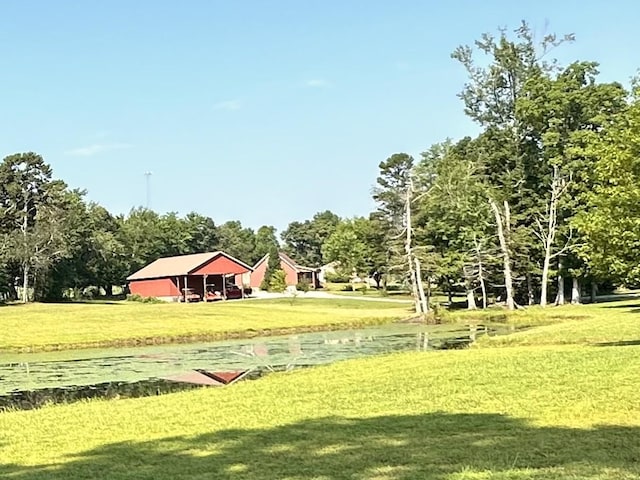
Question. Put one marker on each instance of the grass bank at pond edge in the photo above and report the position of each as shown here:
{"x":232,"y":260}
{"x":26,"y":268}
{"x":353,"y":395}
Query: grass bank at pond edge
{"x":43,"y":327}
{"x":511,"y":413}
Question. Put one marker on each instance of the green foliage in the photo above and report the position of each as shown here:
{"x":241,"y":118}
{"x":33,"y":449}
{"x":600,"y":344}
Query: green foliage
{"x":265,"y":242}
{"x":277,"y":281}
{"x":338,"y":277}
{"x":303,"y":285}
{"x":611,"y":221}
{"x":304,"y":240}
{"x":264,"y":284}
{"x":140,"y":299}
{"x":237,"y":241}
{"x":353,"y":245}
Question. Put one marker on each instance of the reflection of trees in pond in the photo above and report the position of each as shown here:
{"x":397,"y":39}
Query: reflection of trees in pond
{"x":265,"y":354}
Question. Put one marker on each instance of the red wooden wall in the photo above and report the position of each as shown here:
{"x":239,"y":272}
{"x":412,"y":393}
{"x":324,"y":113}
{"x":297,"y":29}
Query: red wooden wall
{"x":220,"y":265}
{"x":156,"y":287}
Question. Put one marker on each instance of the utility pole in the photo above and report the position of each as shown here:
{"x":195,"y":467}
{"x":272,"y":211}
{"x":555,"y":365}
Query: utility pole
{"x":147,"y":175}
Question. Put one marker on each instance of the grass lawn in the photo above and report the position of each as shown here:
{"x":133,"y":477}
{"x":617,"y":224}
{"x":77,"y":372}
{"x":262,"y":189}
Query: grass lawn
{"x":35,"y":327}
{"x":606,"y":324}
{"x":555,"y":407}
{"x":512,"y":413}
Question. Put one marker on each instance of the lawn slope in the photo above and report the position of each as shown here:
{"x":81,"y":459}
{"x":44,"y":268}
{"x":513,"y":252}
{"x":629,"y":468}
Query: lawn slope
{"x":509,"y":413}
{"x":37,"y":327}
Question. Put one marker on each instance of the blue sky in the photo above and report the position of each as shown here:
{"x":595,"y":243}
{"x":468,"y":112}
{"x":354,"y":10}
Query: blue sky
{"x":260,"y":111}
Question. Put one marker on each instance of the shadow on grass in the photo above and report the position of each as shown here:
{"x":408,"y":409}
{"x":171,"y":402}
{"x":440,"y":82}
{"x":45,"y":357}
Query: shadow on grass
{"x":621,"y":343}
{"x":435,"y":446}
{"x":633,"y":305}
{"x":65,"y":302}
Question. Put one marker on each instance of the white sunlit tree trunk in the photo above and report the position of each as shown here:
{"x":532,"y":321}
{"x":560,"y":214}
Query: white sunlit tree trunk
{"x":503,"y":221}
{"x":547,"y":229}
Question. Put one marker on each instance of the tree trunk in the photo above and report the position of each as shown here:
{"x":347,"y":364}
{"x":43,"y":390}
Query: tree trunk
{"x":409,"y":251}
{"x":560,"y":296}
{"x":530,"y":296}
{"x":480,"y":272}
{"x":25,"y":282}
{"x":594,"y":290}
{"x":108,"y":290}
{"x":471,"y":299}
{"x":424,"y":305}
{"x":575,"y":291}
{"x":545,"y":277}
{"x":504,"y":247}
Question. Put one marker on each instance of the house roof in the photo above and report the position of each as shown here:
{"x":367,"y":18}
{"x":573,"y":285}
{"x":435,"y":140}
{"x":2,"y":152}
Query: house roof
{"x":289,"y":261}
{"x":180,"y":265}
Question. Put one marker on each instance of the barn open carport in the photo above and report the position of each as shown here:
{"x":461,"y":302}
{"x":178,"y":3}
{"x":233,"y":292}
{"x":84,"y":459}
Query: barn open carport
{"x":201,"y":276}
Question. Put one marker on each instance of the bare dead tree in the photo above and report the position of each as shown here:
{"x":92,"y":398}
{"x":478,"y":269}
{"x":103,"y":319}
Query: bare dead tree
{"x":547,"y":228}
{"x":415,"y":274}
{"x":481,"y":270}
{"x":503,"y":220}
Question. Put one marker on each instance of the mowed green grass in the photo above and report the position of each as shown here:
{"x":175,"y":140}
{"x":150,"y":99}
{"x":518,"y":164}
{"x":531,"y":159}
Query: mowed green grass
{"x":511,"y":413}
{"x":563,"y":404}
{"x":606,"y":324}
{"x":37,"y":327}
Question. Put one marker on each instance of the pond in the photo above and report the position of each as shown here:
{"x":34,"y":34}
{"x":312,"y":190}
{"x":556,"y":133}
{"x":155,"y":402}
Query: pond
{"x":28,"y":380}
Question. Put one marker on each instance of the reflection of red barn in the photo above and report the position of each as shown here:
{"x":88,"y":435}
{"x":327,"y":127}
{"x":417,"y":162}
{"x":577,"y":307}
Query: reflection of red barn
{"x":171,"y":278}
{"x":294,"y":273}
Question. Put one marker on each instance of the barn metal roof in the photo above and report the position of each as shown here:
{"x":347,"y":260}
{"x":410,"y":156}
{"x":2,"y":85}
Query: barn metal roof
{"x":180,"y":265}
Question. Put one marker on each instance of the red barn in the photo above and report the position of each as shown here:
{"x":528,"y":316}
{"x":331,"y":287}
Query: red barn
{"x":294,"y":273}
{"x":188,"y":277}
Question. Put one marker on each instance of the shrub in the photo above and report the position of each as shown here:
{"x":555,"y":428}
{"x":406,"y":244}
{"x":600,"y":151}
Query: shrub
{"x":303,"y":285}
{"x":278,"y":281}
{"x":338,"y":277}
{"x":139,"y":298}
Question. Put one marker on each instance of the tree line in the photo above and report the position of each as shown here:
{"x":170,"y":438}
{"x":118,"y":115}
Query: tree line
{"x":543,"y":202}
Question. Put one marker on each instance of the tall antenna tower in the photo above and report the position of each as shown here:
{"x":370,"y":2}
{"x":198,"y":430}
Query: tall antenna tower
{"x":147,"y":175}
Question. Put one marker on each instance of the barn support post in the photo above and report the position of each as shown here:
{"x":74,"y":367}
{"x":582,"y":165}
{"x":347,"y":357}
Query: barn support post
{"x":224,"y":286}
{"x":178,"y":285}
{"x":185,"y":289}
{"x":204,"y":288}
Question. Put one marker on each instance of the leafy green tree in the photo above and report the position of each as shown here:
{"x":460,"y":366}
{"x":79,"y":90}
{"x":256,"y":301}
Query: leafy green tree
{"x":237,"y":240}
{"x":454,"y":218}
{"x":563,"y":113}
{"x":390,"y":193}
{"x":203,"y":234}
{"x":265,"y":242}
{"x":31,"y":215}
{"x":304,"y":240}
{"x":274,"y":272}
{"x":610,"y":223}
{"x":510,"y":154}
{"x":277,"y":282}
{"x":142,"y":236}
{"x":350,"y":245}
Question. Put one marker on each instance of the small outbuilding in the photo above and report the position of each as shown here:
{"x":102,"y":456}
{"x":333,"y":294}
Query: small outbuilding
{"x":294,"y":273}
{"x":200,"y":276}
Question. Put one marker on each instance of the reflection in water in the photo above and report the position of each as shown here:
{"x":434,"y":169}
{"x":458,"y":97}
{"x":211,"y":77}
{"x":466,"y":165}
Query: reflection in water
{"x":31,"y":379}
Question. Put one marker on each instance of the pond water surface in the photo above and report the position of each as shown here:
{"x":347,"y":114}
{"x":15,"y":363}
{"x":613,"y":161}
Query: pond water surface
{"x":64,"y":375}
